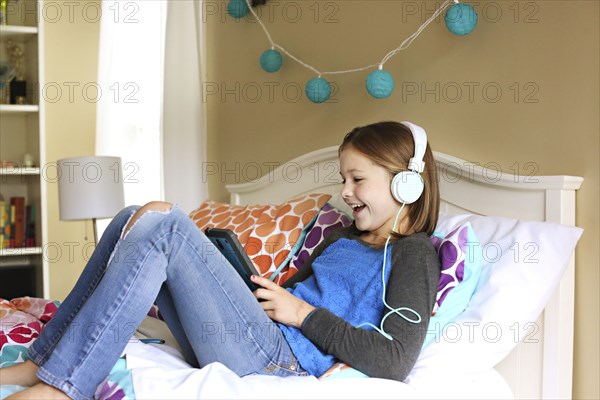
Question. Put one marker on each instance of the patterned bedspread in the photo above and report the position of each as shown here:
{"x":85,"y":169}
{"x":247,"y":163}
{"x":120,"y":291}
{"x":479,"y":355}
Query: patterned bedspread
{"x":22,"y":320}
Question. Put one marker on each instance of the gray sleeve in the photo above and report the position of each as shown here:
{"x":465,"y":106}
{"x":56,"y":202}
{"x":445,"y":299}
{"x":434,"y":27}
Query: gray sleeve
{"x":413,"y":283}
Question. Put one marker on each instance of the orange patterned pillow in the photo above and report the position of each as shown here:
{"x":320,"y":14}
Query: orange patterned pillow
{"x":240,"y":219}
{"x":270,"y":234}
{"x":280,"y":231}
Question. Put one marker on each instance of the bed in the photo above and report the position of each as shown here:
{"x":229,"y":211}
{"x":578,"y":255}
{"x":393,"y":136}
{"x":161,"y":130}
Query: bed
{"x":535,"y":370}
{"x":532,"y":357}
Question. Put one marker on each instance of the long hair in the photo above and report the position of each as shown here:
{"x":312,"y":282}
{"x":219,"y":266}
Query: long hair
{"x":391,"y":145}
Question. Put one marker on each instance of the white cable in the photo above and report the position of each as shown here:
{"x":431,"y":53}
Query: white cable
{"x":408,"y":41}
{"x":403,"y":46}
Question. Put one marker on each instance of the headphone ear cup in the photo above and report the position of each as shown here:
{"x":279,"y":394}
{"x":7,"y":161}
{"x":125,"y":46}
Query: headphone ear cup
{"x":407,"y":187}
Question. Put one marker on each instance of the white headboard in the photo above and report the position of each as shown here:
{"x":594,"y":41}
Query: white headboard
{"x":543,"y":370}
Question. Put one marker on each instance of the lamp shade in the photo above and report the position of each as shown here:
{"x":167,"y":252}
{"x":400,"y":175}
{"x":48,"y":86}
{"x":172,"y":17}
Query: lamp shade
{"x":90,"y":187}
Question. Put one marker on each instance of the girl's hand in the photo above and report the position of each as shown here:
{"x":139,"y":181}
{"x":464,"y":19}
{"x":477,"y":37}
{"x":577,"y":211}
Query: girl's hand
{"x":279,"y":304}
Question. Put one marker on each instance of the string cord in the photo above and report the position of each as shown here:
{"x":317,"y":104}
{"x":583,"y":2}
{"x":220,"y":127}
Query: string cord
{"x":398,"y":311}
{"x":403,"y":46}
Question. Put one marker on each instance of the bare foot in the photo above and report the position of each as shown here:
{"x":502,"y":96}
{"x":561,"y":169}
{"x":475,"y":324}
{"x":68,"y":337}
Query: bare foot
{"x":39,"y":391}
{"x":21,"y":374}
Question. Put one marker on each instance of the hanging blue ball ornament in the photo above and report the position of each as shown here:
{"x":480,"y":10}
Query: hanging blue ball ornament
{"x":380,"y":84}
{"x":271,"y":60}
{"x":237,"y":8}
{"x":461,"y":19}
{"x":318,"y":90}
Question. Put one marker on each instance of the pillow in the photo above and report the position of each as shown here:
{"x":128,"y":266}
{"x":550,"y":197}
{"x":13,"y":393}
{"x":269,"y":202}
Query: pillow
{"x":460,"y":271}
{"x":280,"y":231}
{"x":328,"y":220}
{"x":522,"y":264}
{"x":240,"y":219}
{"x":270,"y":233}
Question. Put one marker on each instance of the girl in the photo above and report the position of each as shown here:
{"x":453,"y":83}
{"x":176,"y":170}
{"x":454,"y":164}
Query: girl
{"x":328,"y":312}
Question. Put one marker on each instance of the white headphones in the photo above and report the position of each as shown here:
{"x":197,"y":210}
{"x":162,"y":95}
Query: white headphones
{"x":407,"y":186}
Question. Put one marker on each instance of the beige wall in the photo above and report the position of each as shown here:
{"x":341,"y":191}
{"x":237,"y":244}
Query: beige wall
{"x":542,"y":55}
{"x":71,"y":63}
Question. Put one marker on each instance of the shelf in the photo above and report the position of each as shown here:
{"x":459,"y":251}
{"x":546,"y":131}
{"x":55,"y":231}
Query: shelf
{"x":20,"y":251}
{"x":18,"y":108}
{"x":17,"y":33}
{"x":22,"y":132}
{"x":18,"y":171}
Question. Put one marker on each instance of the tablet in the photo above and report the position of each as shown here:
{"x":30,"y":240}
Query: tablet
{"x":231,"y":248}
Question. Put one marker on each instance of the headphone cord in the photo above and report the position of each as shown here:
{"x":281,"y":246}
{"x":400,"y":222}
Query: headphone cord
{"x":398,"y":311}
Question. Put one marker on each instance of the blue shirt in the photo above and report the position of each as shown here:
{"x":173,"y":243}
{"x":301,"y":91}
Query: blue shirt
{"x":347,"y":281}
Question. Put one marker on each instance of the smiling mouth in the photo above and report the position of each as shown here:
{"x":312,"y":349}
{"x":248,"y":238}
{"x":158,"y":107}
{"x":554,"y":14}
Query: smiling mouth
{"x":357,"y":208}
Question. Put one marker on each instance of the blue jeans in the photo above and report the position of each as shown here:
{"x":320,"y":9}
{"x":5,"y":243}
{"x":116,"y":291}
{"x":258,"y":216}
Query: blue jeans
{"x":163,"y":258}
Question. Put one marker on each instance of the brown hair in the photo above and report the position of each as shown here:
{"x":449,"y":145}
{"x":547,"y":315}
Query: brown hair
{"x":391,"y":145}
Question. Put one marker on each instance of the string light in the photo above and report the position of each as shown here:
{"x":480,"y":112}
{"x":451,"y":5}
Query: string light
{"x":460,"y":19}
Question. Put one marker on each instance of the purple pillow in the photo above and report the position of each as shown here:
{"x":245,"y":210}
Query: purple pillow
{"x":460,"y":272}
{"x":451,"y":249}
{"x":329,"y":220}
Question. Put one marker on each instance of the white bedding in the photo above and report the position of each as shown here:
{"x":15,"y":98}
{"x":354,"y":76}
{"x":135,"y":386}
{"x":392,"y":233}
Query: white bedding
{"x":159,"y":372}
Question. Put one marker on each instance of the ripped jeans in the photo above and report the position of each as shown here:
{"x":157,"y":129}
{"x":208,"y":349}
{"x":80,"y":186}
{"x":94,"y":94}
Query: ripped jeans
{"x":164,"y":259}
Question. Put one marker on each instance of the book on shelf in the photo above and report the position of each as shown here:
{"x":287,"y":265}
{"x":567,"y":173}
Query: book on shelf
{"x":17,"y":223}
{"x":7,"y":224}
{"x":30,"y":225}
{"x":4,"y":219}
{"x":19,"y":232}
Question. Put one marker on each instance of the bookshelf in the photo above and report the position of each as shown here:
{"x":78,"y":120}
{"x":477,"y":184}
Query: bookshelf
{"x":24,"y":269}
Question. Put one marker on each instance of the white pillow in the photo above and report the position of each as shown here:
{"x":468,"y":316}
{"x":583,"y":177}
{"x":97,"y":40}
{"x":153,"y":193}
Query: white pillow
{"x":522,"y":264}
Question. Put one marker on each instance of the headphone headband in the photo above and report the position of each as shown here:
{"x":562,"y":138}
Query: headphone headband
{"x":420,"y":138}
{"x":407,"y":186}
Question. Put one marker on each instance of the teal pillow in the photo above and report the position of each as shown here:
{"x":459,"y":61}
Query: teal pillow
{"x":7,"y":390}
{"x":345,"y":373}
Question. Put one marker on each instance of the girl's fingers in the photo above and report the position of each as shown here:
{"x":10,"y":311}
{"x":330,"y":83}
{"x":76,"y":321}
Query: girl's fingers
{"x":263,"y":294}
{"x":267,"y":306}
{"x":264,"y":282}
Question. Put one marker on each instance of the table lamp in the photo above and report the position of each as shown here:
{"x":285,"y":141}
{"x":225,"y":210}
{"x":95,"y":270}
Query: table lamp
{"x":90,"y":188}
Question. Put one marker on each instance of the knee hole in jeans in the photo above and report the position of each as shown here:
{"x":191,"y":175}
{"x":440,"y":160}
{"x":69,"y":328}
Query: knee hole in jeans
{"x":153,"y":206}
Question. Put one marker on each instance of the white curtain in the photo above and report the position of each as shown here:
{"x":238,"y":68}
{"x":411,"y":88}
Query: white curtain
{"x":150,"y":112}
{"x":183,"y":118}
{"x":130,"y":71}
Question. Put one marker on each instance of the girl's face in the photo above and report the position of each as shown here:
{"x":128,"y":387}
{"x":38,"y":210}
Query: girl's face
{"x":367,"y":191}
